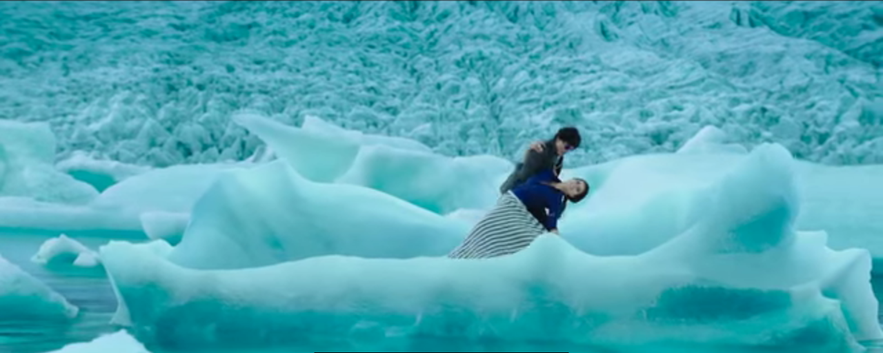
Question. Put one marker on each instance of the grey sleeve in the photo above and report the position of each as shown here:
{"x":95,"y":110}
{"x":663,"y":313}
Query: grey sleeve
{"x":512,"y":180}
{"x":534,"y":162}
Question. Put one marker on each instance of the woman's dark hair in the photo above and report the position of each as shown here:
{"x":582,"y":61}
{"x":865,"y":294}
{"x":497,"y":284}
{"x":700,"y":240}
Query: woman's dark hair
{"x":579,"y":197}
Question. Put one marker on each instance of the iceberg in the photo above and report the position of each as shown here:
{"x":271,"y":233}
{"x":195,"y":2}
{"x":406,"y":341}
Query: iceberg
{"x":27,"y":154}
{"x":172,"y":189}
{"x":403,"y":168}
{"x":270,"y":214}
{"x":738,"y":274}
{"x":710,"y":139}
{"x":318,"y":150}
{"x":23,"y":297}
{"x":169,"y":226}
{"x":65,"y":250}
{"x":117,"y":342}
{"x":317,"y":157}
{"x":437,"y":183}
{"x":34,"y":194}
{"x":640,"y":202}
{"x":135,"y":204}
{"x":319,"y":127}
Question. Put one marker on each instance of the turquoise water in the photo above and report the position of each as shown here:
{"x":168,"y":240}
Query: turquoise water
{"x":90,"y":291}
{"x":86,"y":288}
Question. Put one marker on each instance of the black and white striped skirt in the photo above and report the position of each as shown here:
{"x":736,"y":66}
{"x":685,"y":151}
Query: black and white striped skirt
{"x":506,"y":229}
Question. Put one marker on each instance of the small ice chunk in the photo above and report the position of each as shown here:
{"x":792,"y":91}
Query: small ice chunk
{"x":66,"y":250}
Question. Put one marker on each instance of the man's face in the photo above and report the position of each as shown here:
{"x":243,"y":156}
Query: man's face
{"x":562,"y":147}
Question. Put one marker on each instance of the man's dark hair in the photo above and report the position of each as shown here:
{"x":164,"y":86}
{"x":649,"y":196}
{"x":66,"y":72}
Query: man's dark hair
{"x":579,"y":197}
{"x":570,"y":136}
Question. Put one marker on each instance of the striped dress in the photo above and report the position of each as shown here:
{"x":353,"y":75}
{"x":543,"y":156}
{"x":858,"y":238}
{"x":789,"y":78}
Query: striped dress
{"x":506,"y":229}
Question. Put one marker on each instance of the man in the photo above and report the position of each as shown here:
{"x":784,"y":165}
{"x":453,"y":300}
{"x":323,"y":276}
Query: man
{"x":543,"y":156}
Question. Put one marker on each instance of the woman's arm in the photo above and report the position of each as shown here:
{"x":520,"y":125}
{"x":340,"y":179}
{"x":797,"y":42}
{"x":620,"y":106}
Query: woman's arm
{"x":555,"y":205}
{"x":552,"y":220}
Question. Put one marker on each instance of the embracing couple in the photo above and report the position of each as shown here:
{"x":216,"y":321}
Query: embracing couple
{"x":533,"y":198}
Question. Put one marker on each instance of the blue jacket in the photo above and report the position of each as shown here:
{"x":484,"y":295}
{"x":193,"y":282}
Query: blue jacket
{"x":544,"y":202}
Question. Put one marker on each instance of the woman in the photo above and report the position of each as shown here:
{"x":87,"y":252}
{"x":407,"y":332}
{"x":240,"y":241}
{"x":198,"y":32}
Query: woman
{"x":522,"y":214}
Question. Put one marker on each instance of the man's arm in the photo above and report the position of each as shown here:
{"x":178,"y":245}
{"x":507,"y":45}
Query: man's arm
{"x":558,"y":166}
{"x":539,"y":146}
{"x":536,"y":146}
{"x":511,"y":181}
{"x":534,"y":162}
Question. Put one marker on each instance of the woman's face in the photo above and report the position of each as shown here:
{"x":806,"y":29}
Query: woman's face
{"x":573,"y":187}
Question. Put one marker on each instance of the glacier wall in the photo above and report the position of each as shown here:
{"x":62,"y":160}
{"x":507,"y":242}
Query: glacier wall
{"x":156,"y":83}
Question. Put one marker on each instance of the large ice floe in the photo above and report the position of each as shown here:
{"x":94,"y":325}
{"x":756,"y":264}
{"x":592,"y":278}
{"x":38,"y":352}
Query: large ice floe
{"x":698,"y":246}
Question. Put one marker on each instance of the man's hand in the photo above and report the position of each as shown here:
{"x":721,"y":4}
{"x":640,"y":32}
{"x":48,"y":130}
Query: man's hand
{"x":535,"y":146}
{"x":554,"y":231}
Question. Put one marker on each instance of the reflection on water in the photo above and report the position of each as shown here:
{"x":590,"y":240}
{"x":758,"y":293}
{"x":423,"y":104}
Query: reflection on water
{"x":89,"y":290}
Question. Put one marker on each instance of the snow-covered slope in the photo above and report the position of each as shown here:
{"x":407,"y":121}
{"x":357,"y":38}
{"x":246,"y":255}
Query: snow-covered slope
{"x":156,"y":83}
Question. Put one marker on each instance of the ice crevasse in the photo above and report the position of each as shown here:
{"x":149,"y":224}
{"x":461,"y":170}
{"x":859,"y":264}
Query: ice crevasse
{"x":272,"y":250}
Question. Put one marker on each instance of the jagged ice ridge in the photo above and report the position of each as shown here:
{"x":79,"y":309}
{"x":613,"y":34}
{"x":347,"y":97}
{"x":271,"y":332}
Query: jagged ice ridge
{"x":156,"y":83}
